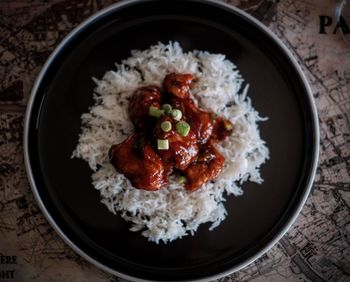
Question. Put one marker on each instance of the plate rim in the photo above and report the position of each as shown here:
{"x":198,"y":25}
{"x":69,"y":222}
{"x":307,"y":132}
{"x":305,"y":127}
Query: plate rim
{"x":220,"y":4}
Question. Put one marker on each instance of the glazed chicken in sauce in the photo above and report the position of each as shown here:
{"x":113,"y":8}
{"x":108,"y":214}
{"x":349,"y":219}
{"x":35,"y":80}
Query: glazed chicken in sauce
{"x":182,"y":150}
{"x":139,"y":104}
{"x":172,"y":137}
{"x":138,"y":161}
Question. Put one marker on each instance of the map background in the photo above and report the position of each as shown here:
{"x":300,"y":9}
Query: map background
{"x":315,"y":248}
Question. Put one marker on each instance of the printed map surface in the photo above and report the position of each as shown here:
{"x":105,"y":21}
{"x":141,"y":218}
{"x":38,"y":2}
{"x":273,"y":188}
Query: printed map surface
{"x":316,"y":248}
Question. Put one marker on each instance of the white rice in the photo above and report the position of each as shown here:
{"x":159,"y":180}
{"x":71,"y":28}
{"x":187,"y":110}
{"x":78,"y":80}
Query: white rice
{"x":171,"y":212}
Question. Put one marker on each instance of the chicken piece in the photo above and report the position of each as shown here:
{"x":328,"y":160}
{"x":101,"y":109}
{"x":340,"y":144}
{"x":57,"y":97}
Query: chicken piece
{"x":182,"y":149}
{"x":136,"y":159}
{"x":207,"y":167}
{"x":200,"y":121}
{"x":178,"y":84}
{"x":222,"y":129}
{"x":139,"y":104}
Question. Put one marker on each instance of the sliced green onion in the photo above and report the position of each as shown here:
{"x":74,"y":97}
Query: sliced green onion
{"x":176,"y":114}
{"x":181,"y":179}
{"x":167,"y":108}
{"x":155,"y":112}
{"x":183,"y":128}
{"x":163,"y":144}
{"x":228,"y":125}
{"x":166,"y":126}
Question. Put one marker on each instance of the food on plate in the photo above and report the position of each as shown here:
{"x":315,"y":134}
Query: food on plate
{"x":140,"y":102}
{"x":170,"y":135}
{"x":170,"y":141}
{"x":178,"y":84}
{"x":138,"y":161}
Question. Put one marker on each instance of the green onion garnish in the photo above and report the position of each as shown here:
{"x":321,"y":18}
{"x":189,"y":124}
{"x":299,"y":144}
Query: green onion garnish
{"x":165,"y":126}
{"x":176,"y":114}
{"x":183,"y":128}
{"x":181,"y":179}
{"x":162,"y":144}
{"x":155,"y":112}
{"x":167,"y":108}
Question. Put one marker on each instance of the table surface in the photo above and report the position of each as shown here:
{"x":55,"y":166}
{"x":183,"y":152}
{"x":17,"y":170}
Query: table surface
{"x":316,"y":248}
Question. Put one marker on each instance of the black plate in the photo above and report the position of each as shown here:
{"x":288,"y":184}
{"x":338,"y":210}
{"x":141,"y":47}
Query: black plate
{"x":64,"y":90}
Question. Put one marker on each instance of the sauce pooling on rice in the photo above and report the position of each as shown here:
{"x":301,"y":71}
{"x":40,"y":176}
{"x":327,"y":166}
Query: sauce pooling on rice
{"x":172,"y":137}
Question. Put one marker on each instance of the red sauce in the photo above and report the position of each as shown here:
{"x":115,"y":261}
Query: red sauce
{"x":182,"y":150}
{"x":139,"y":104}
{"x":193,"y":156}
